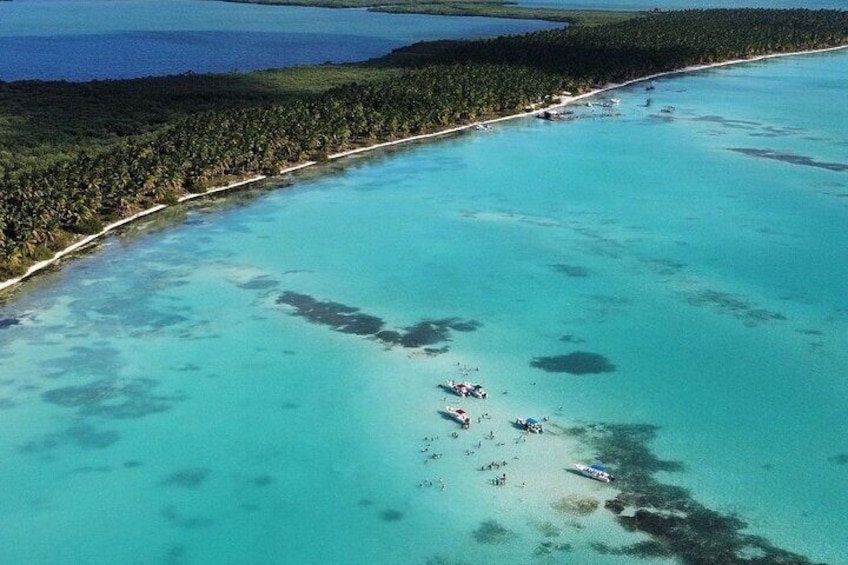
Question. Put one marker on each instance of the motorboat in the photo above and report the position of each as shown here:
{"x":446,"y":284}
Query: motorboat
{"x":531,"y":425}
{"x":460,"y":416}
{"x":475,"y":389}
{"x":595,"y":471}
{"x":460,"y":389}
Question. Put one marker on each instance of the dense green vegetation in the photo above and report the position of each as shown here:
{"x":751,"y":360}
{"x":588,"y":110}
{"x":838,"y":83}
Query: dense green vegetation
{"x":40,"y":121}
{"x":488,"y":8}
{"x":199,"y":131}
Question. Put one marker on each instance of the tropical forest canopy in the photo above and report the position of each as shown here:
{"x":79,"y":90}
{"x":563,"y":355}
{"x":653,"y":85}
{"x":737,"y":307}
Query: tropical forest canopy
{"x":76,"y":156}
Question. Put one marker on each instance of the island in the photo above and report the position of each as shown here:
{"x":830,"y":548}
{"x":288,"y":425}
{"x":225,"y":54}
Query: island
{"x":79,"y":158}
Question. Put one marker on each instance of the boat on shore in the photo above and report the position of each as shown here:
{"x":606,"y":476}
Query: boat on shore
{"x":595,"y":471}
{"x":531,"y":425}
{"x":460,"y":416}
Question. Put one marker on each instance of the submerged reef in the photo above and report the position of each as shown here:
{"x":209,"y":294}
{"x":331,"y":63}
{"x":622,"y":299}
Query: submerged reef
{"x":549,"y":547}
{"x":574,"y":271}
{"x":186,"y":478}
{"x":341,"y":318}
{"x":577,"y":363}
{"x":678,"y":525}
{"x":112,"y":398}
{"x":391,"y":515}
{"x":179,"y":520}
{"x":492,"y":533}
{"x":94,"y":360}
{"x":576,"y":505}
{"x":839,"y":459}
{"x":348,"y":319}
{"x":726,"y":303}
{"x":83,"y":436}
{"x":791,"y":158}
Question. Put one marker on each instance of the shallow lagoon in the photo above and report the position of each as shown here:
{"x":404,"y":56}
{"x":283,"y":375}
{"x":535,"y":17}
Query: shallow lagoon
{"x":159,"y":402}
{"x":100,"y":39}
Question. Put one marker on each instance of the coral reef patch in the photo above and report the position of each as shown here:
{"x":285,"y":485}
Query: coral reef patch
{"x":391,"y":515}
{"x":679,"y":526}
{"x":491,"y":532}
{"x":576,"y":505}
{"x":839,"y":459}
{"x":83,"y":435}
{"x":574,"y":271}
{"x":186,"y":478}
{"x":112,"y":398}
{"x":179,"y":520}
{"x":791,"y":158}
{"x":348,"y":319}
{"x":549,"y":547}
{"x":725,"y":303}
{"x":8,"y":322}
{"x":576,"y":363}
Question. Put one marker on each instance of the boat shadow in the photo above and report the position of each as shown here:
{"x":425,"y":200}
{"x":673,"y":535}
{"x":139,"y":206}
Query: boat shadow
{"x":446,"y":415}
{"x":449,"y":390}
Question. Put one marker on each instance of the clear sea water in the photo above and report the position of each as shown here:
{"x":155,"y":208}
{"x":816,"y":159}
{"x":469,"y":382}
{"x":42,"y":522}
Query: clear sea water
{"x":96,"y":39}
{"x":159,"y":405}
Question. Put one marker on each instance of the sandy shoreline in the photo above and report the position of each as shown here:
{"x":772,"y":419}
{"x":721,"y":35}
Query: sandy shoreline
{"x":564,"y":101}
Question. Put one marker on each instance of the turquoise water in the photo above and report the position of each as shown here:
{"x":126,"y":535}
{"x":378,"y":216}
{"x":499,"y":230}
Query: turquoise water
{"x":161,"y":403}
{"x":101,"y":39}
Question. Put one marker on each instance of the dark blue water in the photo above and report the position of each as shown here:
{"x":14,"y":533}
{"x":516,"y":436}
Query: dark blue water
{"x":98,"y":39}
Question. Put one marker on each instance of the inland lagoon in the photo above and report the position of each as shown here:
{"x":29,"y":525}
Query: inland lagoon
{"x":97,"y":39}
{"x":255,"y":377}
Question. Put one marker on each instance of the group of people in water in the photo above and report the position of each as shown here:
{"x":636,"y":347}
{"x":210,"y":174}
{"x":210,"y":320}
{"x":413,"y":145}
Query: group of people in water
{"x":493,"y":465}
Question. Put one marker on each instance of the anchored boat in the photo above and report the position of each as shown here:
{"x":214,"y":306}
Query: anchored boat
{"x":475,"y":389}
{"x":595,"y":471}
{"x":460,"y":416}
{"x":531,"y":425}
{"x":460,"y":389}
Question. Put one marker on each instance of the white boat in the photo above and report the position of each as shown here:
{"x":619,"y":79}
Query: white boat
{"x":475,"y":389}
{"x":460,"y":416}
{"x":461,"y":389}
{"x":596,"y":471}
{"x":531,"y":425}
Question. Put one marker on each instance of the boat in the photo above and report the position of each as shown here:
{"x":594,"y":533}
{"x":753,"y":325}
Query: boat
{"x":475,"y":389}
{"x":667,"y":109}
{"x":595,"y":471}
{"x":461,"y":389}
{"x":553,"y":115}
{"x":482,"y":127}
{"x":460,"y":416}
{"x":531,"y":425}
